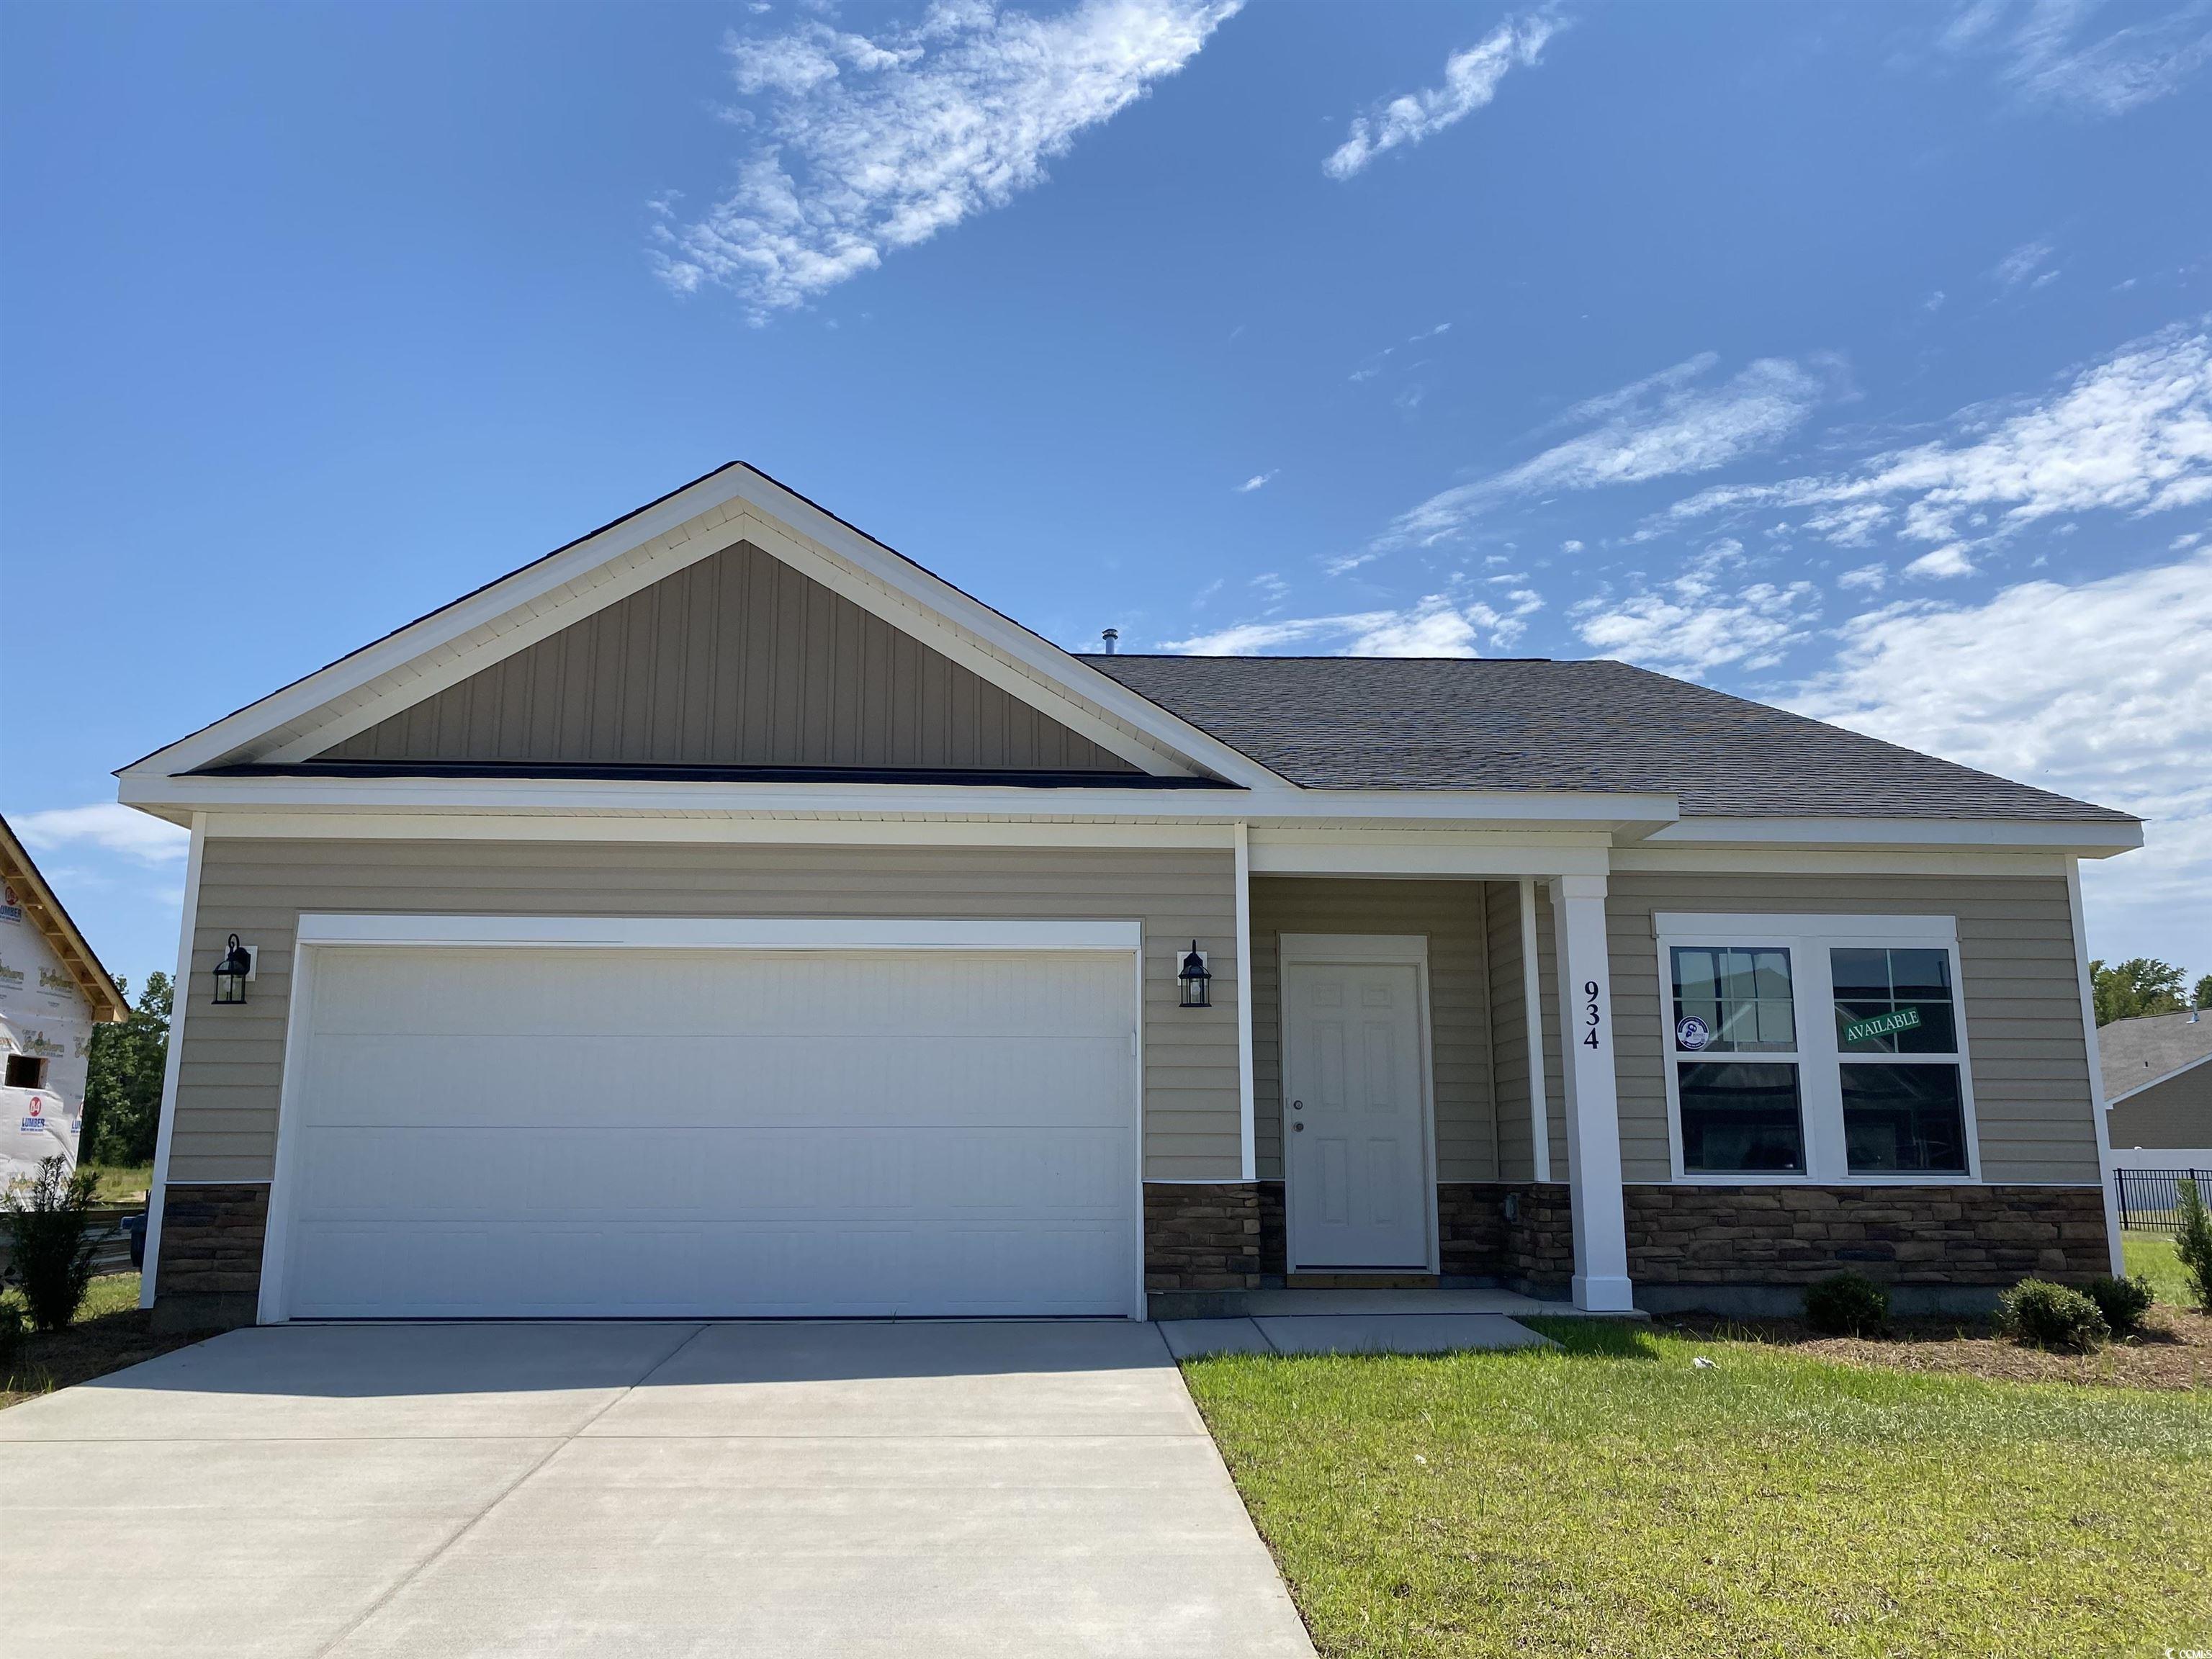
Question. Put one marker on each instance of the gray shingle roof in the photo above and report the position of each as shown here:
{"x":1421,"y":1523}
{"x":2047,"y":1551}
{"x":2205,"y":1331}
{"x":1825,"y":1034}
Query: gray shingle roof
{"x":1483,"y":723}
{"x":2134,"y":1052}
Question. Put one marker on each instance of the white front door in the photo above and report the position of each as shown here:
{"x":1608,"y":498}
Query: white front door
{"x":1355,"y":1129}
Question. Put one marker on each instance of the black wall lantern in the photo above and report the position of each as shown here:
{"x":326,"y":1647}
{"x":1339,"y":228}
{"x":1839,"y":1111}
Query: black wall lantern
{"x":1193,"y":981}
{"x":231,"y":973}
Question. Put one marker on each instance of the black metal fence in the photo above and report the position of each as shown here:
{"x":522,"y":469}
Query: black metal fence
{"x":2150,"y":1200}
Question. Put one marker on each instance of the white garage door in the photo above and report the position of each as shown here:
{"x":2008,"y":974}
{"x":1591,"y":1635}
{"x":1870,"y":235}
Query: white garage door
{"x":482,"y":1132}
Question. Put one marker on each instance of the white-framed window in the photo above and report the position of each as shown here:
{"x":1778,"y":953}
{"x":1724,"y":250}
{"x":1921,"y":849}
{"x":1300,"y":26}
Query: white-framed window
{"x":1816,"y":1049}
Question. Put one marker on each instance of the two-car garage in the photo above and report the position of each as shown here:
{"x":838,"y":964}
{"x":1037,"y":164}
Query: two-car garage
{"x":501,"y":1118}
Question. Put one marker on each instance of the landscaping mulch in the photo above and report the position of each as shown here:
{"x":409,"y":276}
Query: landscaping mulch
{"x":2172,"y":1352}
{"x":111,"y":1332}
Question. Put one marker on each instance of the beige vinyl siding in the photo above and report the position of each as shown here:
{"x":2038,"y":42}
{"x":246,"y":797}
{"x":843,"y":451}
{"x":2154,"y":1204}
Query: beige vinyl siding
{"x":232,"y":1062}
{"x":2023,"y":1003}
{"x":737,"y":660}
{"x":1555,"y":1066}
{"x":1450,"y":913}
{"x":2177,"y":1112}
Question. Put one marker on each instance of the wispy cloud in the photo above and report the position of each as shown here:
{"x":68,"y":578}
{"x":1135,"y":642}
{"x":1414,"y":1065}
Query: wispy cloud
{"x":868,"y":145}
{"x":1471,"y":79}
{"x":2132,"y":433}
{"x":106,"y":825}
{"x":1257,"y":481}
{"x":1665,"y":424}
{"x":2049,"y":52}
{"x":1437,"y":625}
{"x":2022,"y":263}
{"x":1697,"y":622}
{"x":2100,"y":690}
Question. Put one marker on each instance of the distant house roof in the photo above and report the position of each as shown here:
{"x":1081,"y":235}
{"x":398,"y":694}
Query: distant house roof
{"x":44,"y":911}
{"x":1534,"y":724}
{"x":2137,"y":1053}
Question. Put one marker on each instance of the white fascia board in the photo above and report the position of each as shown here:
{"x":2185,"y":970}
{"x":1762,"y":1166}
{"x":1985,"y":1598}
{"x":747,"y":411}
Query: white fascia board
{"x":2076,"y":838}
{"x":2163,"y":1077}
{"x":1462,"y":809}
{"x":724,"y":933}
{"x":2029,"y":861}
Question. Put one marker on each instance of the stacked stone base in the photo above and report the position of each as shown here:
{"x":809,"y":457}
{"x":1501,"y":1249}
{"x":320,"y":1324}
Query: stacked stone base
{"x":208,"y":1276}
{"x":1904,"y":1236}
{"x":1201,"y":1246}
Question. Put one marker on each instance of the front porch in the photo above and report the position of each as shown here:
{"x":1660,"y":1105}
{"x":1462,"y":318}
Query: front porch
{"x":1418,"y":1124}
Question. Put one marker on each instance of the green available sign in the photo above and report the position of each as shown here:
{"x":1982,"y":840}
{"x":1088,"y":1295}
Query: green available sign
{"x":1901,"y":1019}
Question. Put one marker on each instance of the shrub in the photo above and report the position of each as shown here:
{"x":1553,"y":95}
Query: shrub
{"x":49,"y":1228}
{"x":2050,"y":1316}
{"x":1846,"y":1304}
{"x":2192,"y":1242}
{"x":2124,"y":1302}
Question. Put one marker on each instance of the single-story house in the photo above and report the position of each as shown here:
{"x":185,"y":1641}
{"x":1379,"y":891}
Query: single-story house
{"x":2158,"y":1090}
{"x":53,"y":992}
{"x":723,"y":915}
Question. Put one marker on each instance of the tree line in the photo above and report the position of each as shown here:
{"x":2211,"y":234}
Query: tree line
{"x":123,"y":1079}
{"x":2142,"y":986}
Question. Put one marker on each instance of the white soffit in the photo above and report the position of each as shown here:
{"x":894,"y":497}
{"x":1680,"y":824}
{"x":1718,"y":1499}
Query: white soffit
{"x":733,"y":505}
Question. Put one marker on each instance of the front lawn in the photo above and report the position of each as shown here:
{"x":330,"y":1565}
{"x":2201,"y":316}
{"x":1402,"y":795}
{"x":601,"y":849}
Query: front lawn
{"x":1616,"y":1499}
{"x":2151,"y":1255}
{"x":111,"y":1332}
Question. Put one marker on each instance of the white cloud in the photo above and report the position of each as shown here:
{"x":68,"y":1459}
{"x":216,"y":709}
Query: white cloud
{"x":1471,"y":79}
{"x":2042,"y":61}
{"x":2022,"y":263}
{"x":1570,"y":547}
{"x":2100,"y":690}
{"x":2133,"y":434}
{"x":1694,"y":624}
{"x":1946,"y":561}
{"x":1435,"y":626}
{"x":1690,"y":627}
{"x":2182,"y":542}
{"x":1256,"y":481}
{"x":109,"y":826}
{"x":1662,"y":425}
{"x":870,"y":145}
{"x":1870,"y":576}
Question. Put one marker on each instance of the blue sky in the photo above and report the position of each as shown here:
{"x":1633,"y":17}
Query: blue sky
{"x":1854,"y":358}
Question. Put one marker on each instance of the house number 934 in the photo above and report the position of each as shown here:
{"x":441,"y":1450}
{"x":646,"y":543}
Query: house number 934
{"x":1591,"y":1017}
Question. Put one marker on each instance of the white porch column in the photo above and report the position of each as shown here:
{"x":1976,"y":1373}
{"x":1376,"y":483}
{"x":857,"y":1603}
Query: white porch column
{"x":1601,"y":1282}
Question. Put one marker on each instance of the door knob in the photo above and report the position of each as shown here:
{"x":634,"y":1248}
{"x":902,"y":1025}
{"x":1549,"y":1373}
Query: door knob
{"x":1297,"y":1128}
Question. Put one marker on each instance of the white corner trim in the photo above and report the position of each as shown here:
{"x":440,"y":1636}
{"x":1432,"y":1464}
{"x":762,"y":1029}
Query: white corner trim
{"x":2099,"y":1106}
{"x":719,"y":933}
{"x":1532,"y":1005}
{"x":1246,"y":1069}
{"x":180,"y":1003}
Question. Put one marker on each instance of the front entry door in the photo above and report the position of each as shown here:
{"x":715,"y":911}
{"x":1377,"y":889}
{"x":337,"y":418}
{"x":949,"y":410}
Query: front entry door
{"x":1355,"y":1133}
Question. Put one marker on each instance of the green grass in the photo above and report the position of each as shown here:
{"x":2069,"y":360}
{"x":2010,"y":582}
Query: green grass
{"x":121,"y":1183}
{"x":1613,"y":1498}
{"x":2151,"y":1255}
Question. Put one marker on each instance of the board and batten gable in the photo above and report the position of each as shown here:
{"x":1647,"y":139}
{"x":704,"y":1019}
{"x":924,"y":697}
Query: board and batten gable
{"x":2033,"y":1102}
{"x":737,"y":660}
{"x":231,"y":1059}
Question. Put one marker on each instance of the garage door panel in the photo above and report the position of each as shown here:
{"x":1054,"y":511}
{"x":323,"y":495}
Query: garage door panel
{"x":503,"y":1132}
{"x":585,"y":1081}
{"x":578,"y":1269}
{"x":511,"y":1174}
{"x":660,"y":993}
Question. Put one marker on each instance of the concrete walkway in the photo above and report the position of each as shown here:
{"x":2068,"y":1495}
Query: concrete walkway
{"x":859,"y":1489}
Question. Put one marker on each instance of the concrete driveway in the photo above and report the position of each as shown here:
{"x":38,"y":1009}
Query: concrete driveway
{"x":637,"y":1490}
